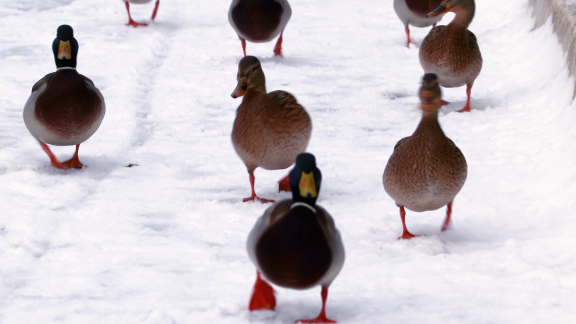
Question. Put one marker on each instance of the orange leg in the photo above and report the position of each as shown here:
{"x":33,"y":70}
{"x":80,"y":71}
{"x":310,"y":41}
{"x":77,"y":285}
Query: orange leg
{"x":254,"y":197}
{"x":448,"y":221}
{"x":322,"y":317}
{"x":155,"y":10}
{"x":262,"y":295}
{"x":278,"y":47}
{"x":74,"y":162}
{"x":444,"y":102}
{"x":406,"y":235}
{"x":468,"y":107}
{"x":132,"y":22}
{"x":243,"y":45}
{"x":408,"y":37}
{"x":284,"y":184}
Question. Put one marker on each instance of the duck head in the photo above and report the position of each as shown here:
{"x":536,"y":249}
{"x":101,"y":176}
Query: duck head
{"x":430,"y":94}
{"x":305,"y":180}
{"x":464,"y":10}
{"x":250,"y":77}
{"x":65,"y":47}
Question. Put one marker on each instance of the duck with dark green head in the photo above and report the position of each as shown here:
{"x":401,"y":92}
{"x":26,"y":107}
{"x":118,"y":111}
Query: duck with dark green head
{"x":65,"y":108}
{"x":65,"y":47}
{"x":295,"y":244}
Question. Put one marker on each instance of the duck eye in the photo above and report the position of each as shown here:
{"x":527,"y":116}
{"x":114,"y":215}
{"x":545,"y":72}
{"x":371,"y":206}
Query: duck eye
{"x":255,"y":68}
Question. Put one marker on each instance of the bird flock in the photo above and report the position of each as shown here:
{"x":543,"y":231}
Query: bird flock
{"x":295,"y":243}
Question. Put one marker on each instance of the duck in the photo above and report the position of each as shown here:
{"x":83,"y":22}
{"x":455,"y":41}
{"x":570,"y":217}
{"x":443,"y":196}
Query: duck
{"x":260,"y":21}
{"x":295,"y":243}
{"x":413,"y":12}
{"x":451,"y":52}
{"x":426,"y":170}
{"x":270,"y":129}
{"x":132,"y":22}
{"x":65,"y":107}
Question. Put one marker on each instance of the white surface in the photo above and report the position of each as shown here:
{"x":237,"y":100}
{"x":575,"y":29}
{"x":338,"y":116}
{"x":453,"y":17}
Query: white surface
{"x":164,"y":242}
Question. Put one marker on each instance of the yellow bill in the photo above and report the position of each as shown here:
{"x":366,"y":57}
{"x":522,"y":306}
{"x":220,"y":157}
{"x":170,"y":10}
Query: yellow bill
{"x":65,"y":51}
{"x":308,"y":185}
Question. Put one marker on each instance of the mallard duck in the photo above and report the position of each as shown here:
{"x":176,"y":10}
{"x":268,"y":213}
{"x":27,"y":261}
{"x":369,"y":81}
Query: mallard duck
{"x":65,"y":108}
{"x":413,"y":12}
{"x":451,"y":52}
{"x":426,"y":170}
{"x":270,"y":129}
{"x":295,"y":244}
{"x":259,"y":21}
{"x":132,"y":22}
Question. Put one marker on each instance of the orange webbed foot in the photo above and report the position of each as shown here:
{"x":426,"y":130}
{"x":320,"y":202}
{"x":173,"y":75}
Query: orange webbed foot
{"x":262,"y":295}
{"x":284,"y":184}
{"x":254,"y":197}
{"x":262,"y":200}
{"x":322,"y":317}
{"x":319,"y":319}
{"x":73,"y":163}
{"x":444,"y":102}
{"x":467,"y":108}
{"x":407,"y":236}
{"x":135,"y":24}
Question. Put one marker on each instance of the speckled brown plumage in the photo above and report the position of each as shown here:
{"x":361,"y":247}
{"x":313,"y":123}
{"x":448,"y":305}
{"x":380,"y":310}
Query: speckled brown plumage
{"x":451,"y":52}
{"x":426,"y":170}
{"x":270,"y":130}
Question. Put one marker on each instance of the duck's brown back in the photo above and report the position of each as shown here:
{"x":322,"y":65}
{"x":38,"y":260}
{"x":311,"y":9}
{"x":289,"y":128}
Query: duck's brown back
{"x":257,"y":19}
{"x":270,"y":130}
{"x":425,"y":171}
{"x":452,"y":53}
{"x":67,"y":107}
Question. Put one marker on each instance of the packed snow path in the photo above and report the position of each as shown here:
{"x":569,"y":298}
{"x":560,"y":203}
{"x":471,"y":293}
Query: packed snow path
{"x":164,"y":241}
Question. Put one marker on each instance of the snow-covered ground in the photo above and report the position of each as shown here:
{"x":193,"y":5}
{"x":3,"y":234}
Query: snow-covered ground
{"x":164,"y":241}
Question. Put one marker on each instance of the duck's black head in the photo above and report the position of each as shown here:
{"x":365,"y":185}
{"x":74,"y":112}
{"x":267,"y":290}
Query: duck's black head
{"x":65,"y":47}
{"x":305,"y":180}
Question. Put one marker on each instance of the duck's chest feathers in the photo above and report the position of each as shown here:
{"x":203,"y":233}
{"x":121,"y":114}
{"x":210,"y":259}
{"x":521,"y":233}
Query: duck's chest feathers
{"x":426,"y":171}
{"x":294,"y":251}
{"x":451,"y":52}
{"x":267,"y":134}
{"x":257,"y":20}
{"x":68,"y":107}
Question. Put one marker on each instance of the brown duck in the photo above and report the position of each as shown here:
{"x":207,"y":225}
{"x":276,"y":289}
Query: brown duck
{"x":451,"y":52}
{"x":426,"y":170}
{"x":270,"y":129}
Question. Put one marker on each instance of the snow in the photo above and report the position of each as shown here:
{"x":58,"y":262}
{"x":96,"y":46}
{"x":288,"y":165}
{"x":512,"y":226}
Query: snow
{"x":164,"y":241}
